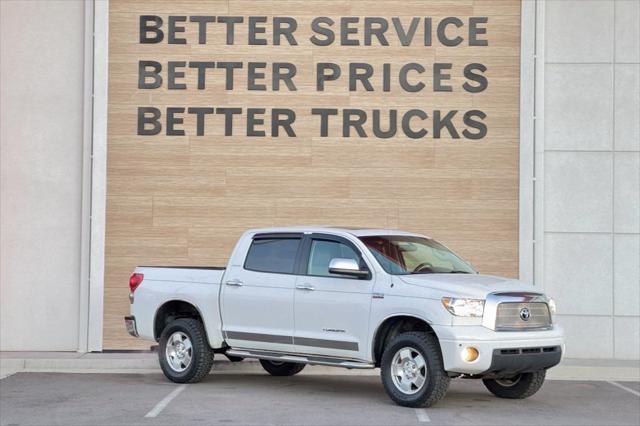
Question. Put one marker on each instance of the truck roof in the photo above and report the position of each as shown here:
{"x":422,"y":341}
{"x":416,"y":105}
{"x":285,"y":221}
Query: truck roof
{"x":358,"y":232}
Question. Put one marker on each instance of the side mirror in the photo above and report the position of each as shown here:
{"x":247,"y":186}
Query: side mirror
{"x":346,"y":267}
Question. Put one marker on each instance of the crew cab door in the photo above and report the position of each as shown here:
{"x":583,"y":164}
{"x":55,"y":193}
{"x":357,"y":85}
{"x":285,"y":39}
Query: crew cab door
{"x":257,"y":296}
{"x":331,"y":310}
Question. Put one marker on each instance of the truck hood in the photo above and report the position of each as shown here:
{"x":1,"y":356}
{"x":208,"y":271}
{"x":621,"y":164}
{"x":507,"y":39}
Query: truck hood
{"x":465,"y":285}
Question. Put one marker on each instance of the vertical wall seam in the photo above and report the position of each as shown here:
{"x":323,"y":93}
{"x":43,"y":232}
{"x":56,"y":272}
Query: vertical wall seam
{"x":613,"y":183}
{"x":533,"y":148}
{"x":86,"y":181}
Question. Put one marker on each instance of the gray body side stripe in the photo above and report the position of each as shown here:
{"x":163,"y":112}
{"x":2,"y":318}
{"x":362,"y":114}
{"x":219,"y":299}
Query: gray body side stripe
{"x":322,"y":343}
{"x":289,"y":340}
{"x":258,"y":337}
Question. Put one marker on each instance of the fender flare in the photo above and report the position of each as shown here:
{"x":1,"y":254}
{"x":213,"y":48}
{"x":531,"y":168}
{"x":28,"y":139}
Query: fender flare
{"x":183,"y":300}
{"x":388,"y":317}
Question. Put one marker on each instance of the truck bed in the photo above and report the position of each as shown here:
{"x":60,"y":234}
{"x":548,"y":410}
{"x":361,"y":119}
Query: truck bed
{"x":196,"y":285}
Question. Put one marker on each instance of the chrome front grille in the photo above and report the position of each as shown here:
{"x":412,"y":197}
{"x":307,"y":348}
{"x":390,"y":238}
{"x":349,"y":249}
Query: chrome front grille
{"x":522,"y":316}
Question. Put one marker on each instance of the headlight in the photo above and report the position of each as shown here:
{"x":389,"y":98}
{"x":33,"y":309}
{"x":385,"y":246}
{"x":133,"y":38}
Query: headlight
{"x":464,"y":307}
{"x":552,"y":306}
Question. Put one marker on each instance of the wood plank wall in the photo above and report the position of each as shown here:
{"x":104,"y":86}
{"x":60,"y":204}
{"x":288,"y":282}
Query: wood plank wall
{"x":184,"y":200}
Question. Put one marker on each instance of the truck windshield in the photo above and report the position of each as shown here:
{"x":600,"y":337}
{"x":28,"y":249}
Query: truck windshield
{"x":402,"y":255}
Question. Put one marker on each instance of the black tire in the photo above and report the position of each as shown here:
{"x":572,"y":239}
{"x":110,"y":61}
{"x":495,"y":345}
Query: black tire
{"x":280,"y":368}
{"x":201,"y":354}
{"x":519,"y":387}
{"x":436,"y":380}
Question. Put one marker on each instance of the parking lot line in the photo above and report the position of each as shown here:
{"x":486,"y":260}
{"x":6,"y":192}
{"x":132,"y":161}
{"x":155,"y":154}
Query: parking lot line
{"x":165,"y":401}
{"x":636,"y":393}
{"x":422,"y":415}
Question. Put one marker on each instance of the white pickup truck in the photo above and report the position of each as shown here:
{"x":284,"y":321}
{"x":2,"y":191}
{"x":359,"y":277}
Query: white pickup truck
{"x":354,"y":298}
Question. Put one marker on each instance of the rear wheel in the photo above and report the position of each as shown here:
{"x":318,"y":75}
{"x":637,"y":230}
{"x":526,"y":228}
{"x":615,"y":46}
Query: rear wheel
{"x":517,"y":387}
{"x":185,"y":355}
{"x":281,"y":368}
{"x":412,"y":370}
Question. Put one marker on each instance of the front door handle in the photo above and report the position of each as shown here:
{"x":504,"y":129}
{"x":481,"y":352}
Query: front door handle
{"x":236,"y":283}
{"x":307,"y":287}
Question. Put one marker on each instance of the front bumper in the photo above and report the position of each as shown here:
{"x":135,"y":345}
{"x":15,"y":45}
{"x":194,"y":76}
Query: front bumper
{"x":130,"y":324}
{"x":501,"y":353}
{"x":509,"y":362}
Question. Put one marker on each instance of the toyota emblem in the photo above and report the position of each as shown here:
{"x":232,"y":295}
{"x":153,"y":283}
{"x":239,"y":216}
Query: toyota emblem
{"x":525,"y":314}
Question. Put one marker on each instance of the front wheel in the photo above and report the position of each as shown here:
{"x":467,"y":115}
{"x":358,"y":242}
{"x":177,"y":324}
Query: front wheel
{"x":518,"y":387}
{"x":281,"y":368}
{"x":184,"y":353}
{"x":412,"y":370}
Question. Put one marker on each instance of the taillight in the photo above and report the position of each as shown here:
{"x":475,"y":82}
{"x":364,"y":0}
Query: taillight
{"x":135,"y":281}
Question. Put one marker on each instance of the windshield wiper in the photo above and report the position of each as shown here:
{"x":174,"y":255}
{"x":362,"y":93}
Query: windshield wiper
{"x":430,"y":271}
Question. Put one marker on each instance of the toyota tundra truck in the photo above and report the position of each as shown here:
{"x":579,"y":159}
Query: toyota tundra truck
{"x":352,"y":298}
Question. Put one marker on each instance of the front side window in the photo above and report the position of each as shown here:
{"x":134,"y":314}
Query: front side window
{"x":401,"y":255}
{"x":322,"y":251}
{"x":277,"y":255}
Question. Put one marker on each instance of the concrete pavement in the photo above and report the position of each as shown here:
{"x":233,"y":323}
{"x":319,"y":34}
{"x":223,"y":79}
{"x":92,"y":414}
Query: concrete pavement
{"x":260,"y":399}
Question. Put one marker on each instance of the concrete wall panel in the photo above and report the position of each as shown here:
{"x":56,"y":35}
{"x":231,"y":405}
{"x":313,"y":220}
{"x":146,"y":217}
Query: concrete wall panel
{"x":579,"y":31}
{"x":591,"y":166}
{"x":627,"y":107}
{"x":578,"y":272}
{"x":577,"y":192}
{"x":626,"y":279}
{"x":41,"y":115}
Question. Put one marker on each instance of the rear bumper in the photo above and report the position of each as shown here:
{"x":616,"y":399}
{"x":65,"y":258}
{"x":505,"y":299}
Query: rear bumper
{"x":500,"y":353}
{"x":130,"y":324}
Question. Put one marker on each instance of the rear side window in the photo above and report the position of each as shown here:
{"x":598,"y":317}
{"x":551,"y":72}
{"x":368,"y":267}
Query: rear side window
{"x":277,"y":255}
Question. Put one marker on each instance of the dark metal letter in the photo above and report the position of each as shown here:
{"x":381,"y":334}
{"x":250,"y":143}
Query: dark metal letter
{"x":406,"y":123}
{"x":321,"y":77}
{"x":324,"y":114}
{"x":143,"y":120}
{"x":348,"y":122}
{"x":172,"y":120}
{"x":479,"y":78}
{"x":475,"y":124}
{"x":146,"y":27}
{"x":253,"y":121}
{"x":276,"y":121}
{"x":155,"y":74}
{"x":442,"y":33}
{"x":172,"y":30}
{"x":200,"y":113}
{"x":327,"y":32}
{"x":278,"y":31}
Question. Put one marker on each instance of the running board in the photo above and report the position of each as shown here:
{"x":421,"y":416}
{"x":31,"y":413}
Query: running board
{"x":311,"y":360}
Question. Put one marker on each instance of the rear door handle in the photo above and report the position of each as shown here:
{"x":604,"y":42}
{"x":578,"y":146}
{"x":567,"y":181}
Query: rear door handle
{"x":236,"y":283}
{"x":307,"y":287}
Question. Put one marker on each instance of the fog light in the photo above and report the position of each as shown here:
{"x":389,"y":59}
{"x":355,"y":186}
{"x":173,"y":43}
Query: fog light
{"x":469,"y":354}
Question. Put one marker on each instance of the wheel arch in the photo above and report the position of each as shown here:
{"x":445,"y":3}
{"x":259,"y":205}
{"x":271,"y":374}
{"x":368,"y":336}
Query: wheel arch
{"x":393,"y":325}
{"x":173,"y":309}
